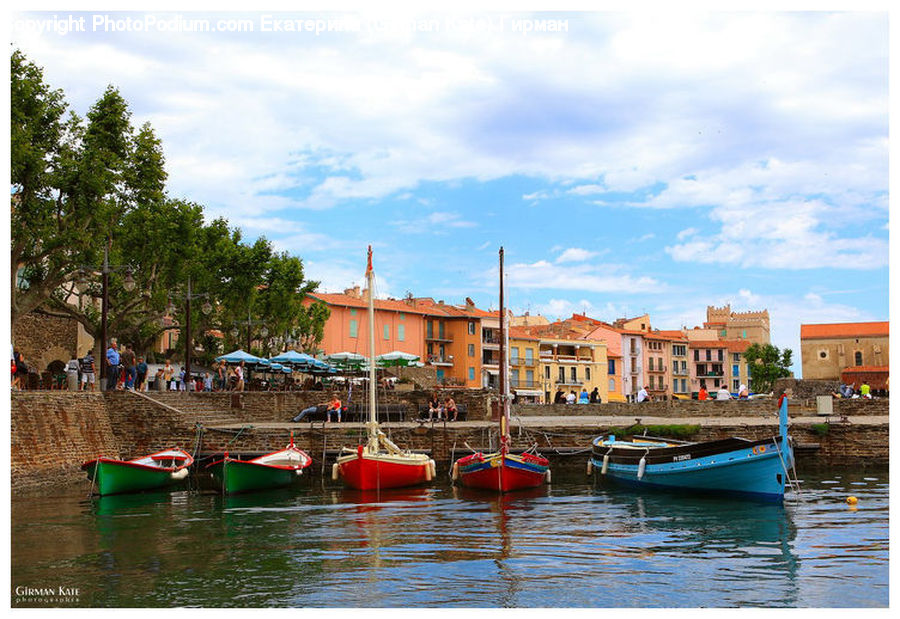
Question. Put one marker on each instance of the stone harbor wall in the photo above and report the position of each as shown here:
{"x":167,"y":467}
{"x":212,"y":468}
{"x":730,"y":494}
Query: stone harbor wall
{"x":52,"y":433}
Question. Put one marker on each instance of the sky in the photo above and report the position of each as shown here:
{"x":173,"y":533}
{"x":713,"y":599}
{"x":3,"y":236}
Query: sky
{"x":628,"y":162}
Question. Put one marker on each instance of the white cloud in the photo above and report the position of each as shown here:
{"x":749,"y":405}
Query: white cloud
{"x":575,"y":254}
{"x":438,"y":222}
{"x":581,"y":277}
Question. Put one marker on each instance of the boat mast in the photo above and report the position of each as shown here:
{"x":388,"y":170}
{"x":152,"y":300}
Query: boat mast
{"x":373,"y":420}
{"x":504,"y":369}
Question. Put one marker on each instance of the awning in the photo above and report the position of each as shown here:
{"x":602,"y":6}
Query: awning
{"x":529,"y":392}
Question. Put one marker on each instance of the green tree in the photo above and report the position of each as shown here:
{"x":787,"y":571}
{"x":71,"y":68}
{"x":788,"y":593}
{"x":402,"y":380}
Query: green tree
{"x":767,"y":364}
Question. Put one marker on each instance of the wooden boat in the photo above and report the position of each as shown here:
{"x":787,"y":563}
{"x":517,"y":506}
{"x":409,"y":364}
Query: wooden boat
{"x":379,"y":463}
{"x":732,"y":466}
{"x":273,"y":470}
{"x":502,"y":471}
{"x":112,"y":476}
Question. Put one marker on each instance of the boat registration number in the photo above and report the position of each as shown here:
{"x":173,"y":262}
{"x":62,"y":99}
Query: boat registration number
{"x":681,"y":458}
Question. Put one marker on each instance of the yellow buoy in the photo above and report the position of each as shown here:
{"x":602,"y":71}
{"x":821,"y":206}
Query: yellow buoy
{"x":852,"y":500}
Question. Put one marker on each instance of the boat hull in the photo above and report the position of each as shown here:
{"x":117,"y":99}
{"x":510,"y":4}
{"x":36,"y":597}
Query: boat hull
{"x":116,"y":477}
{"x":731,"y":467}
{"x":502,"y":473}
{"x":372,"y":472}
{"x":239,"y":476}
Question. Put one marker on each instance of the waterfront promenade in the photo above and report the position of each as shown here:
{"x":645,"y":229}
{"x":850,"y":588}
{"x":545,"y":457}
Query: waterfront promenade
{"x":54,"y":432}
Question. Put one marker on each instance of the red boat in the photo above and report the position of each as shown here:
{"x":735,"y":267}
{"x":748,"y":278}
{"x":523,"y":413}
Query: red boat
{"x":502,"y":471}
{"x":379,"y":463}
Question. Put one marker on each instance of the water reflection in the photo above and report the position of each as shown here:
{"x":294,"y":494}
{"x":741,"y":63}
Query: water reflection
{"x":568,"y":545}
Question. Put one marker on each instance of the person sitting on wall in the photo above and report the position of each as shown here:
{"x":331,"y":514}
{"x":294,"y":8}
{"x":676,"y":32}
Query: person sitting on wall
{"x":723,"y":393}
{"x":334,"y":406}
{"x":743,"y":392}
{"x":595,"y":396}
{"x":703,"y":395}
{"x":642,"y":395}
{"x":317,"y":408}
{"x":571,"y":397}
{"x":583,"y":397}
{"x":450,"y":407}
{"x":434,"y":407}
{"x":560,"y":397}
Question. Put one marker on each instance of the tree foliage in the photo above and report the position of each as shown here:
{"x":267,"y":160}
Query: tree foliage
{"x":767,"y":364}
{"x":82,"y":185}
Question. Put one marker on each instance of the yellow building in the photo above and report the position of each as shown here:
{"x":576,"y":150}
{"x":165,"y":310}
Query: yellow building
{"x":524,"y":367}
{"x":570,"y":364}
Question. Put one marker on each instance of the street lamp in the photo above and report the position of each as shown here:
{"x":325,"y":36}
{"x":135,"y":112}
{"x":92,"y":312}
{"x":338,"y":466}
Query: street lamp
{"x":235,"y":330}
{"x":128,"y":283}
{"x":206,"y":308}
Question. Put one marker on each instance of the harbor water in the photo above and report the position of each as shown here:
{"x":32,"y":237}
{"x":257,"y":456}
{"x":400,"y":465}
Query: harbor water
{"x":573,"y":544}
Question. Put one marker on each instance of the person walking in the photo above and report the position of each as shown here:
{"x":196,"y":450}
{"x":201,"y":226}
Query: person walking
{"x":87,"y":371}
{"x":140,"y":375}
{"x":112,"y":365}
{"x":239,"y":375}
{"x":128,"y":366}
{"x":168,"y":373}
{"x":72,"y":368}
{"x":221,"y":377}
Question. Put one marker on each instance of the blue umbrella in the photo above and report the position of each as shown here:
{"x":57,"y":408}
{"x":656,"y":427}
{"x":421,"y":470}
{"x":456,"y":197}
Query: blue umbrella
{"x":295,"y":359}
{"x":239,"y":355}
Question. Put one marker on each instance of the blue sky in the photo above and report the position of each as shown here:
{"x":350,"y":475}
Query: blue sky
{"x":636,"y":162}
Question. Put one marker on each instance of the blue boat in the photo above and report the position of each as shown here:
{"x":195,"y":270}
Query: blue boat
{"x":732,"y":467}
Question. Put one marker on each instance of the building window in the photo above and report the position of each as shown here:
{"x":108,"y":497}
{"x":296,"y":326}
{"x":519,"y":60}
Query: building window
{"x":736,"y":357}
{"x":441,"y":330}
{"x":429,"y":329}
{"x":401,"y":332}
{"x":471,"y":373}
{"x":587,"y":373}
{"x":735,"y":385}
{"x":471,"y":328}
{"x":708,"y":355}
{"x":652,"y":382}
{"x":529,"y":356}
{"x":721,"y":355}
{"x":701,"y":369}
{"x":387,"y":332}
{"x":562,"y":375}
{"x":514,"y":355}
{"x":650,"y":361}
{"x":440,"y":375}
{"x":696,"y":355}
{"x":471,"y":350}
{"x":612,"y":385}
{"x":547,"y":372}
{"x":354,"y":329}
{"x":574,"y":373}
{"x":857,"y":356}
{"x":679,"y":350}
{"x":611,"y":366}
{"x":352,"y":312}
{"x":529,"y":378}
{"x":735,"y":370}
{"x":823,"y":354}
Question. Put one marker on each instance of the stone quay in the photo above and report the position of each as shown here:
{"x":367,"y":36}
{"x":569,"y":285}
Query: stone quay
{"x":53,"y":432}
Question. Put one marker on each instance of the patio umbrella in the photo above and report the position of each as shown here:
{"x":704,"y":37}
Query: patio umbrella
{"x":239,"y":355}
{"x":294,"y":359}
{"x":396,"y":358}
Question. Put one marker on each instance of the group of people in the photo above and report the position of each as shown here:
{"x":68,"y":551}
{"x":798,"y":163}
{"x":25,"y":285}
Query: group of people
{"x":332,"y":407}
{"x":124,"y":370}
{"x":444,"y":409}
{"x":724,"y":394}
{"x":584,"y":397}
{"x":847,"y":391}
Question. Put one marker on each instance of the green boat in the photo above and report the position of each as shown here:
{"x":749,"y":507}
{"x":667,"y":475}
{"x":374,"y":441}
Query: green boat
{"x":273,"y":470}
{"x":112,"y":476}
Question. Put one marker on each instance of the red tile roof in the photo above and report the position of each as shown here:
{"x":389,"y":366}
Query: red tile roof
{"x":865,"y":368}
{"x":738,"y":345}
{"x":845,"y":329}
{"x":522,"y":333}
{"x":345,"y":300}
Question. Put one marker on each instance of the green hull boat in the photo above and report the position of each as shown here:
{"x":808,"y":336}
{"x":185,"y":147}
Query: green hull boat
{"x":112,"y":476}
{"x":273,"y":470}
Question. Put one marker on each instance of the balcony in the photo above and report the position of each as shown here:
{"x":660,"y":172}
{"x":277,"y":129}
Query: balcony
{"x":439,"y":360}
{"x":440,"y":337}
{"x":711,"y":374}
{"x":570,"y":381}
{"x":523,"y":384}
{"x":520,"y":362}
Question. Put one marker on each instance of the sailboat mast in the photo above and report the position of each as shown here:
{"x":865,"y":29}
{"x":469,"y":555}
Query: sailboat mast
{"x":504,"y":368}
{"x":370,"y":283}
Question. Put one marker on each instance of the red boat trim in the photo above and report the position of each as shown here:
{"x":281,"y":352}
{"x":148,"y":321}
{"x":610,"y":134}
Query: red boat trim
{"x":271,"y":466}
{"x":186,"y":459}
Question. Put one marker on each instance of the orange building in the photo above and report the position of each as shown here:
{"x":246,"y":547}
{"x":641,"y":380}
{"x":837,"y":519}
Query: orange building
{"x":399,"y":325}
{"x":452,"y":341}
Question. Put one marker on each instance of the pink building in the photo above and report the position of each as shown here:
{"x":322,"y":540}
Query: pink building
{"x":399,"y":325}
